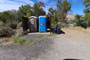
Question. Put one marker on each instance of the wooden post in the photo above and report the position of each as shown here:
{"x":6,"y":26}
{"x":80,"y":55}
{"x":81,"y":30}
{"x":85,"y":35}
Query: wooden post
{"x":24,"y":23}
{"x":50,"y":20}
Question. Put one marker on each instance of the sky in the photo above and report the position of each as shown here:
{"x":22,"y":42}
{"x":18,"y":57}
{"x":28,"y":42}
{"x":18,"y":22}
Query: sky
{"x":76,"y":8}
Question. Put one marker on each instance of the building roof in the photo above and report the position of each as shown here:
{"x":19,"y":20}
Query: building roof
{"x":42,"y":16}
{"x":32,"y":17}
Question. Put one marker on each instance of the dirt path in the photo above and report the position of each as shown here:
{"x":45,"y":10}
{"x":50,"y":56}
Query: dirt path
{"x":74,"y":44}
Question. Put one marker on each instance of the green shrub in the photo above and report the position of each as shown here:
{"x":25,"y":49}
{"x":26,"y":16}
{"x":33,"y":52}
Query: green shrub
{"x":63,"y":24}
{"x":6,"y":32}
{"x":22,"y":41}
{"x":19,"y":31}
{"x":39,"y":37}
{"x":81,"y":23}
{"x":52,"y":34}
{"x":13,"y":26}
{"x":1,"y":24}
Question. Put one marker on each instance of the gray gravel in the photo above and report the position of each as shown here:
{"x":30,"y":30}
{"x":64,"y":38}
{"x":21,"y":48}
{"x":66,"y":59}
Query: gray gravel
{"x":72,"y":45}
{"x":17,"y":52}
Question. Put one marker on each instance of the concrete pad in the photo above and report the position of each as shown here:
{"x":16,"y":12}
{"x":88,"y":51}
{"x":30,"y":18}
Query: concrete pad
{"x":36,"y":33}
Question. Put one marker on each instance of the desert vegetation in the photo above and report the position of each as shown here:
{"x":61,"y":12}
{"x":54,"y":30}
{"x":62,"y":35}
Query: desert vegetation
{"x":11,"y":20}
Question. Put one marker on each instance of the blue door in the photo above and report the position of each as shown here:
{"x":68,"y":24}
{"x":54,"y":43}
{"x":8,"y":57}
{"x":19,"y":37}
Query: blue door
{"x":42,"y":24}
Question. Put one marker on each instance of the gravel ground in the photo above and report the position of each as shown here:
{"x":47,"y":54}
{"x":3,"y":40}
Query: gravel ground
{"x":74,"y":44}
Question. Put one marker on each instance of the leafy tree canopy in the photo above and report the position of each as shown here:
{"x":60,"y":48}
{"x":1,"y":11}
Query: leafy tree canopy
{"x":87,"y":9}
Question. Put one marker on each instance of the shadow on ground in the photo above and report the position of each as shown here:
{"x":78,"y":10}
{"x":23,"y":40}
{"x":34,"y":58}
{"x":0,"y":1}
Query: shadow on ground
{"x":62,"y":32}
{"x":72,"y":59}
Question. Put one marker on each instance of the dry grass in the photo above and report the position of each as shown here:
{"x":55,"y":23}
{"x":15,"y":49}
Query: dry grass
{"x":87,"y":30}
{"x":5,"y":39}
{"x":74,"y":32}
{"x":75,"y":28}
{"x":78,"y":29}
